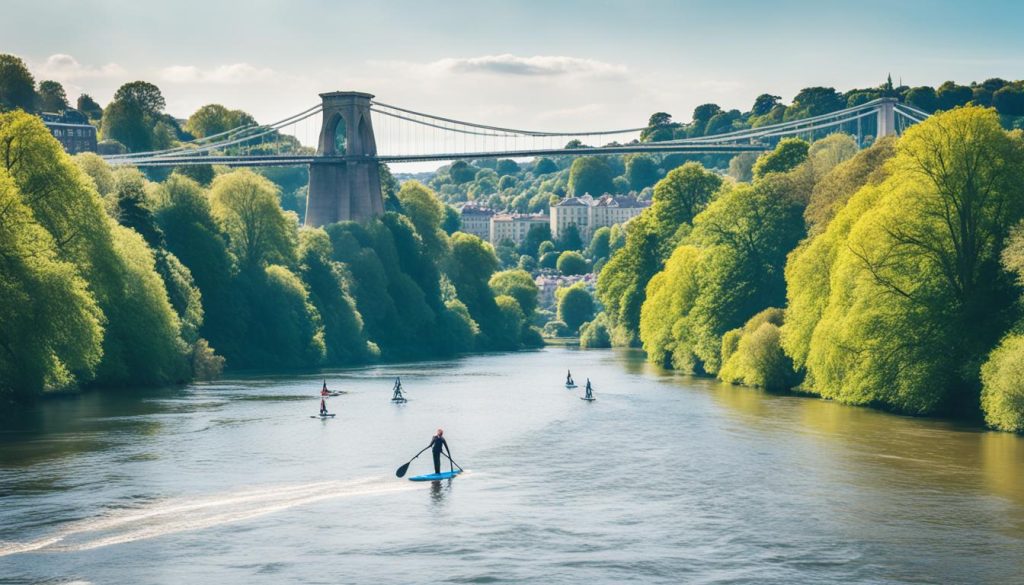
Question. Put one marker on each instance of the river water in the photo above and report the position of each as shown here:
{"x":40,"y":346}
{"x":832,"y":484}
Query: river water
{"x":663,"y":479}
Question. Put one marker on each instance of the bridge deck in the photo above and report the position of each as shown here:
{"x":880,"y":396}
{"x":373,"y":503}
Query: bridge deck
{"x":294,"y":160}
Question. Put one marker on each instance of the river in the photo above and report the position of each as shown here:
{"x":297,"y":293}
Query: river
{"x":663,"y":479}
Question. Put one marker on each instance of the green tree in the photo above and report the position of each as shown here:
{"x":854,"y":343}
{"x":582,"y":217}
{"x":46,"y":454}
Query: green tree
{"x":214,"y":119}
{"x":133,"y":117}
{"x":50,"y":324}
{"x":575,"y":306}
{"x":787,"y":155}
{"x":461,"y":172}
{"x":508,"y":330}
{"x":548,"y":260}
{"x":814,"y":101}
{"x":570,"y":238}
{"x":835,"y":188}
{"x":327,"y":282}
{"x":527,"y":263}
{"x":753,"y":355}
{"x":52,"y":97}
{"x":923,"y":98}
{"x":764,"y":104}
{"x":89,"y":107}
{"x":98,"y":170}
{"x":702,"y":114}
{"x":622,"y":283}
{"x":506,"y":251}
{"x":202,"y":174}
{"x":535,"y":236}
{"x":590,"y":174}
{"x":143,"y":95}
{"x":506,"y":166}
{"x":1002,"y":394}
{"x":470,"y":267}
{"x":571,"y":262}
{"x":659,"y":128}
{"x":543,"y":166}
{"x":950,"y":95}
{"x":132,"y":208}
{"x":192,"y":234}
{"x":17,"y":86}
{"x":452,"y":220}
{"x":142,"y":344}
{"x":247,"y":209}
{"x":917,"y":288}
{"x":600,"y":244}
{"x":683,"y":193}
{"x":728,"y":270}
{"x":1009,"y":100}
{"x":595,"y":334}
{"x":741,"y":167}
{"x":641,"y":171}
{"x":285,"y":330}
{"x":519,"y":285}
{"x":665,"y":319}
{"x":427,"y":214}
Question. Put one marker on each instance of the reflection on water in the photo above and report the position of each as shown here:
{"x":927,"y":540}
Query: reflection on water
{"x":666,"y":478}
{"x":440,"y":489}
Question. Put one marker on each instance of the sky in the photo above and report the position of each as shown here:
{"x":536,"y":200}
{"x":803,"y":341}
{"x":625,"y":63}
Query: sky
{"x":541,"y":65}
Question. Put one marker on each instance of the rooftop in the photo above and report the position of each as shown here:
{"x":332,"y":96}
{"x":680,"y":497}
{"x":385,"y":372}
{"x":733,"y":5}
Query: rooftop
{"x":521,"y":217}
{"x":605,"y":200}
{"x":474,"y":210}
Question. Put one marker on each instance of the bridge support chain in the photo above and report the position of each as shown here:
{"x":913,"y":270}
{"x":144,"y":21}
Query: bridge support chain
{"x":344,"y":177}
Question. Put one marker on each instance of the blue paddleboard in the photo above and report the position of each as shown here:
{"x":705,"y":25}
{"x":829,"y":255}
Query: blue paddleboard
{"x":436,"y":476}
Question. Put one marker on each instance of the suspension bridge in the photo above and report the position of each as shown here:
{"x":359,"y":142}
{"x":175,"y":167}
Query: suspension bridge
{"x":356,"y":133}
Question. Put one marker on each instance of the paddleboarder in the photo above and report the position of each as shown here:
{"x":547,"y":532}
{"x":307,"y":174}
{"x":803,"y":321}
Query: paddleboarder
{"x":397,"y":396}
{"x":436,"y":443}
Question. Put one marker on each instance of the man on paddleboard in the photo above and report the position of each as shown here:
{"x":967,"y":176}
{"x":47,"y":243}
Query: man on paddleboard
{"x":436,"y":443}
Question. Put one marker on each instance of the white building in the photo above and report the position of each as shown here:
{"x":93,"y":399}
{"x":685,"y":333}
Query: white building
{"x":514,"y":226}
{"x":476,"y":220}
{"x":589,"y":214}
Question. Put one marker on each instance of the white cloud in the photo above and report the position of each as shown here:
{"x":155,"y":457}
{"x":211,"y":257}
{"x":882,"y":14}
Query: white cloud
{"x":65,"y":68}
{"x":234,"y":74}
{"x":539,"y":65}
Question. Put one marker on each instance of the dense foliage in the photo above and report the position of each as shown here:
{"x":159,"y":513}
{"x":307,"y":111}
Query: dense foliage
{"x":109,"y":279}
{"x":899,"y":274}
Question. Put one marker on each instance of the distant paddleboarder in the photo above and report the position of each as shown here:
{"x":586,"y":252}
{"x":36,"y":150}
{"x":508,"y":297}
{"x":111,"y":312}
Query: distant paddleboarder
{"x":436,"y":443}
{"x":589,"y":395}
{"x":397,"y":396}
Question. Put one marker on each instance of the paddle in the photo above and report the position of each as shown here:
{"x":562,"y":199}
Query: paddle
{"x":452,"y":461}
{"x":400,"y":472}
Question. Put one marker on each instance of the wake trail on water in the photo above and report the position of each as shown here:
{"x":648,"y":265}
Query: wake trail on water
{"x":194,"y":513}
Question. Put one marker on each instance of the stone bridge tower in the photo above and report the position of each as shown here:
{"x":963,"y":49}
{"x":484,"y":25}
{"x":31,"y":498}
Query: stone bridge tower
{"x":344,"y":180}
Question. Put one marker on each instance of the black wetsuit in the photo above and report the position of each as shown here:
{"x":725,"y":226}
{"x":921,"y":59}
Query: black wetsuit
{"x":436,"y":444}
